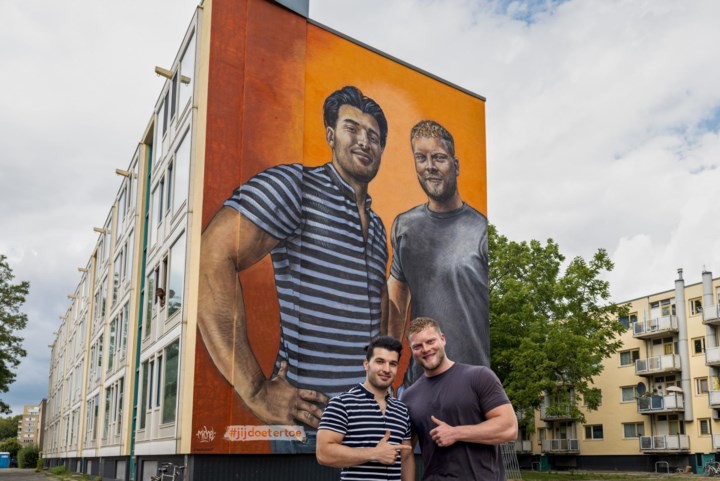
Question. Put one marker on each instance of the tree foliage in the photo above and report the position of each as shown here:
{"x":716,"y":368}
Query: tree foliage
{"x":12,"y":321}
{"x":10,"y":445}
{"x":28,"y":457}
{"x":550,"y":327}
{"x":9,"y":426}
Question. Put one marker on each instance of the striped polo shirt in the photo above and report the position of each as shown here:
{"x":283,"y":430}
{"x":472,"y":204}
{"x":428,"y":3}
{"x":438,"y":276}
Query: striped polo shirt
{"x":356,"y":415}
{"x":328,"y":278}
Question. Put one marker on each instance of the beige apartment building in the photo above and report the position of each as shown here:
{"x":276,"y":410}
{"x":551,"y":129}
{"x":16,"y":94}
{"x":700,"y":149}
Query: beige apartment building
{"x":30,"y":425}
{"x":660,"y":392}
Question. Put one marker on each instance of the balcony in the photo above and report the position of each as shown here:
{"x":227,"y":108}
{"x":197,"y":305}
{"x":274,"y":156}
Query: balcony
{"x":669,"y":403}
{"x":657,"y":365}
{"x":655,"y":328}
{"x":671,"y":443}
{"x":560,"y":446}
{"x":711,"y":315}
{"x":556,"y":412}
{"x":714,"y":399}
{"x":523,"y":446}
{"x":716,"y":442}
{"x":712,"y":356}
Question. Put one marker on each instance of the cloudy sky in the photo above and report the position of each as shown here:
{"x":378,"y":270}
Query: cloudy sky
{"x":603,"y":123}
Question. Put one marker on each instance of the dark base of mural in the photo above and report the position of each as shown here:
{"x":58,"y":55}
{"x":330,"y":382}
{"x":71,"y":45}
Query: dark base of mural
{"x":660,"y":462}
{"x":255,"y":467}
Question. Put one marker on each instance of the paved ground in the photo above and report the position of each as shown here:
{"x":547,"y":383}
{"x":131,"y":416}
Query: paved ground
{"x":15,"y":474}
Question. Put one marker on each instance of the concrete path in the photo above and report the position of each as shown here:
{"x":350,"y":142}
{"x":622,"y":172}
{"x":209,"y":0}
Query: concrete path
{"x":15,"y":474}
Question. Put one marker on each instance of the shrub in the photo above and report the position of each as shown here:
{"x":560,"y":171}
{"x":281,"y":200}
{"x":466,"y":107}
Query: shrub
{"x":28,"y":457}
{"x":59,"y":470}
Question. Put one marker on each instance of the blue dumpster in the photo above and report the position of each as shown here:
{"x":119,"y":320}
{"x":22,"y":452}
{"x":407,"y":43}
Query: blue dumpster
{"x":4,"y":460}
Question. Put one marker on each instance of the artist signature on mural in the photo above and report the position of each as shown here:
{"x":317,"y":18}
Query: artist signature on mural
{"x":205,"y":435}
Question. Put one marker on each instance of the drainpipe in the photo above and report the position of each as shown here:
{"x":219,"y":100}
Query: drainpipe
{"x":683,"y":345}
{"x":710,"y":330}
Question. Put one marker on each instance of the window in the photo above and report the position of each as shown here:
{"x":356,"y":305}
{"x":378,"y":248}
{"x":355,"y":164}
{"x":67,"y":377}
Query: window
{"x":181,"y":171}
{"x":594,"y":431}
{"x":629,"y":319}
{"x":695,"y":306}
{"x":176,"y":278}
{"x":144,"y":395}
{"x":663,"y":308}
{"x":169,"y":406}
{"x":111,"y":344}
{"x":633,"y":430}
{"x":187,"y":73}
{"x":628,"y":358}
{"x":629,"y":393}
{"x":669,"y":346}
{"x":701,"y":385}
{"x":156,"y":214}
{"x":704,"y":427}
{"x":698,"y":346}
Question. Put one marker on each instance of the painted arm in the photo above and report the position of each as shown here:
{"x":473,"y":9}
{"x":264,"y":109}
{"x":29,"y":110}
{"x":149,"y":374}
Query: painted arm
{"x":399,"y":303}
{"x":331,"y":452}
{"x":500,"y":426}
{"x":230,"y":244}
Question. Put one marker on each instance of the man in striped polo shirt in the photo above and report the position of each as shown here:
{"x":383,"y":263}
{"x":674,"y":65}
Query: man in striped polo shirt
{"x":329,"y":255}
{"x":365,"y":431}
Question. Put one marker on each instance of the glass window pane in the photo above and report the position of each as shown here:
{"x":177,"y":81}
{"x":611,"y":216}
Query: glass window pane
{"x":171,"y":383}
{"x":187,"y":73}
{"x":182,"y":173}
{"x":176,"y":281}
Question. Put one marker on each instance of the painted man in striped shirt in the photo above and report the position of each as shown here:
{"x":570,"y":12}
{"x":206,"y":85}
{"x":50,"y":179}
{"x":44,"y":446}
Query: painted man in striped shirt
{"x":365,"y":431}
{"x":329,"y":254}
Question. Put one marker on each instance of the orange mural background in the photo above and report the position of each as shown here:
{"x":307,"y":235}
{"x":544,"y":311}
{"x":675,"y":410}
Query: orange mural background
{"x":270,"y":72}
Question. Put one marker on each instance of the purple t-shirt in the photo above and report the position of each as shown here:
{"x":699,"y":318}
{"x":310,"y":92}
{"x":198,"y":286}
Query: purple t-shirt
{"x":459,"y":396}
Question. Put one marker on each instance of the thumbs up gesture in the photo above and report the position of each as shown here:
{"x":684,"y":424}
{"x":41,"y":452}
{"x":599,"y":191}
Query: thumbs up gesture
{"x":443,"y":434}
{"x":387,"y":453}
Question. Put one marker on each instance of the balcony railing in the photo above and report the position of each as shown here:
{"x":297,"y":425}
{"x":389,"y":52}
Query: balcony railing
{"x":653,"y":365}
{"x":672,"y":402}
{"x":657,"y":327}
{"x":711,"y":314}
{"x":560,"y":446}
{"x":716,"y":442}
{"x":712,"y":356}
{"x":556,"y":412}
{"x":714,"y":399}
{"x":523,"y":446}
{"x":668,"y":443}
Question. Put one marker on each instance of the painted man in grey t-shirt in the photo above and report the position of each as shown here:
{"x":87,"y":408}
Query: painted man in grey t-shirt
{"x":439,"y":264}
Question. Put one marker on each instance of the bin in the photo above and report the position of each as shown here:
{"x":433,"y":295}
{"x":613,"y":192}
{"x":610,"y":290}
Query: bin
{"x":4,"y":460}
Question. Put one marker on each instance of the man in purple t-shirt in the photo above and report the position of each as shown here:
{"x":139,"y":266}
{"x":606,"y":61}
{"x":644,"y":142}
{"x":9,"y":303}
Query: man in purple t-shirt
{"x":459,"y":413}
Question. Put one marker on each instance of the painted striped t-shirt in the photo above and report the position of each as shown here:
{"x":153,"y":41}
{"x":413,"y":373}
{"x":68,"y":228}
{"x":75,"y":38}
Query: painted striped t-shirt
{"x":329,"y":280}
{"x":356,"y":415}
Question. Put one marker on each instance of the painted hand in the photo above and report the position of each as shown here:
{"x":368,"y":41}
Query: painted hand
{"x":278,"y":402}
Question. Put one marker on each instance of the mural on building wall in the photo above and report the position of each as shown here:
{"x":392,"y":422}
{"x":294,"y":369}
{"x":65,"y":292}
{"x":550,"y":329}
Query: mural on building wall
{"x":325,"y":224}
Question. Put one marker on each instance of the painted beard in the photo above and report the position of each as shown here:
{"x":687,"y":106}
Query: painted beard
{"x":439,"y":192}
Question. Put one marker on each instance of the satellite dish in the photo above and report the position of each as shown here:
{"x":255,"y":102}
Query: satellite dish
{"x":641,"y":388}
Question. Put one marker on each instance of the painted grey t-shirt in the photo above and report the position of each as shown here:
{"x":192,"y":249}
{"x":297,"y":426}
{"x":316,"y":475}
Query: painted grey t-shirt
{"x":442,"y":257}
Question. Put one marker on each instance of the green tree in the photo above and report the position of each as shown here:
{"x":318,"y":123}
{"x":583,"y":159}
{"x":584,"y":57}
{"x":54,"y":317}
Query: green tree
{"x":12,"y":321}
{"x":10,"y":445}
{"x":550,"y":327}
{"x":9,"y":426}
{"x":28,"y":457}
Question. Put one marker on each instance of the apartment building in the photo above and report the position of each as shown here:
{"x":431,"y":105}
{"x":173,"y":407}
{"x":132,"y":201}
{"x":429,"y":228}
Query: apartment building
{"x":30,"y":425}
{"x":133,"y":384}
{"x":660,"y":392}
